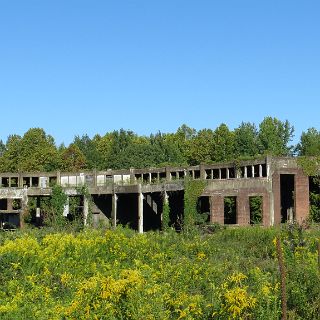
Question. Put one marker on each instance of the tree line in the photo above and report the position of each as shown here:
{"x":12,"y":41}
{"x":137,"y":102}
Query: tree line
{"x":122,"y":149}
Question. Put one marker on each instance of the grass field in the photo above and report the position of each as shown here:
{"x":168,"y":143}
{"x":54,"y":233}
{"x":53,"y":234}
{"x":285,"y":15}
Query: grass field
{"x":119,"y":274}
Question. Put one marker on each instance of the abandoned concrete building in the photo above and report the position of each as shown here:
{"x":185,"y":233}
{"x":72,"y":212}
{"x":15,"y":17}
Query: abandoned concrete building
{"x":135,"y":197}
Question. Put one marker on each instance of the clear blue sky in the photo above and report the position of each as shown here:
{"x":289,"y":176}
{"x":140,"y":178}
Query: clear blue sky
{"x":75,"y":67}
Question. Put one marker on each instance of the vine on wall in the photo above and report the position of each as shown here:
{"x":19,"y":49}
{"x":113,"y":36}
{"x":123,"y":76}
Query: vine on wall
{"x":192,"y":191}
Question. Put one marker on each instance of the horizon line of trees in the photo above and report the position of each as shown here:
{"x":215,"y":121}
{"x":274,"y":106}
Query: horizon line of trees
{"x":122,"y":149}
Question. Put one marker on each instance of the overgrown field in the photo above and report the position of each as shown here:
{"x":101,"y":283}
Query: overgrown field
{"x":99,"y":274}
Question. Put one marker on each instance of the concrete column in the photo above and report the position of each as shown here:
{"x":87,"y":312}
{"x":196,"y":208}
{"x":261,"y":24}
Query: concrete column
{"x":9,"y":204}
{"x":165,"y":202}
{"x":270,"y":209}
{"x":66,"y":208}
{"x":227,"y":173}
{"x":20,"y":181}
{"x":219,"y":174}
{"x":252,"y":168}
{"x":114,"y":210}
{"x":168,"y":174}
{"x":85,"y":210}
{"x":140,"y":212}
{"x":203,"y":174}
{"x":150,"y":178}
{"x":260,"y":170}
{"x":0,"y":182}
{"x":217,"y":209}
{"x":245,"y":172}
{"x":275,"y":200}
{"x":58,"y":178}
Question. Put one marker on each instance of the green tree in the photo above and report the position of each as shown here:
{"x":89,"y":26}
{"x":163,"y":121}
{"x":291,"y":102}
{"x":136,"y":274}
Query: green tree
{"x":35,"y":151}
{"x":90,"y":150}
{"x":246,"y":140}
{"x":2,"y":148}
{"x":223,"y":140}
{"x":10,"y":157}
{"x":72,"y":159}
{"x":274,"y":137}
{"x":309,"y":144}
{"x":200,"y":148}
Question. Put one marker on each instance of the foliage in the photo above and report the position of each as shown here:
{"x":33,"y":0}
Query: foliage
{"x":223,"y":139}
{"x":309,"y":144}
{"x":72,"y":159}
{"x":88,"y":147}
{"x":123,"y":149}
{"x":199,"y":149}
{"x":2,"y":147}
{"x":54,"y":207}
{"x":93,"y":274}
{"x":274,"y":136}
{"x":246,"y":140}
{"x":230,"y":210}
{"x":35,"y":151}
{"x":255,"y":210}
{"x":315,"y":207}
{"x":192,"y":191}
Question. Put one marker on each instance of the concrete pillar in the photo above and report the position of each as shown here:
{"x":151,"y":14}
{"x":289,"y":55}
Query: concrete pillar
{"x":219,"y":174}
{"x":66,"y":208}
{"x":85,"y":210}
{"x":58,"y":178}
{"x":217,"y":209}
{"x":276,"y":198}
{"x":114,"y":210}
{"x":0,"y":182}
{"x":252,"y":168}
{"x":227,"y":173}
{"x":9,"y":204}
{"x":260,"y":170}
{"x":203,"y":174}
{"x":270,"y":209}
{"x":168,"y":174}
{"x":20,"y":181}
{"x":150,"y":178}
{"x":140,"y":212}
{"x":165,"y":202}
{"x":245,"y":172}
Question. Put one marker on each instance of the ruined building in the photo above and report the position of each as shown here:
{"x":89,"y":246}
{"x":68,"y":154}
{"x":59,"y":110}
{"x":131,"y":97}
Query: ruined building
{"x":136,"y":196}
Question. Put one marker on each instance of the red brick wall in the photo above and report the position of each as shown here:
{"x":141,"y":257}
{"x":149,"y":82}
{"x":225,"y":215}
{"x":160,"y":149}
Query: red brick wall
{"x":243,"y":206}
{"x":301,"y":196}
{"x":217,"y":208}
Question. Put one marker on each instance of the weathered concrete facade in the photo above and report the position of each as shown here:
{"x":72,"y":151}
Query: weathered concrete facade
{"x":136,"y":196}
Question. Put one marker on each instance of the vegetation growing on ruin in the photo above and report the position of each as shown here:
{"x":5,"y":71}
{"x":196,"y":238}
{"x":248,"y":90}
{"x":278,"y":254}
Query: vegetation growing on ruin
{"x":192,"y":191}
{"x":98,"y":274}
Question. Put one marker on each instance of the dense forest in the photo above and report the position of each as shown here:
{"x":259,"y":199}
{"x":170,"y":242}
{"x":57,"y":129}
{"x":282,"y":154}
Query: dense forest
{"x":37,"y":151}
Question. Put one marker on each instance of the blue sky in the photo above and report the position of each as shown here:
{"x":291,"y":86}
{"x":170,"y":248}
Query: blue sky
{"x":76,"y":67}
